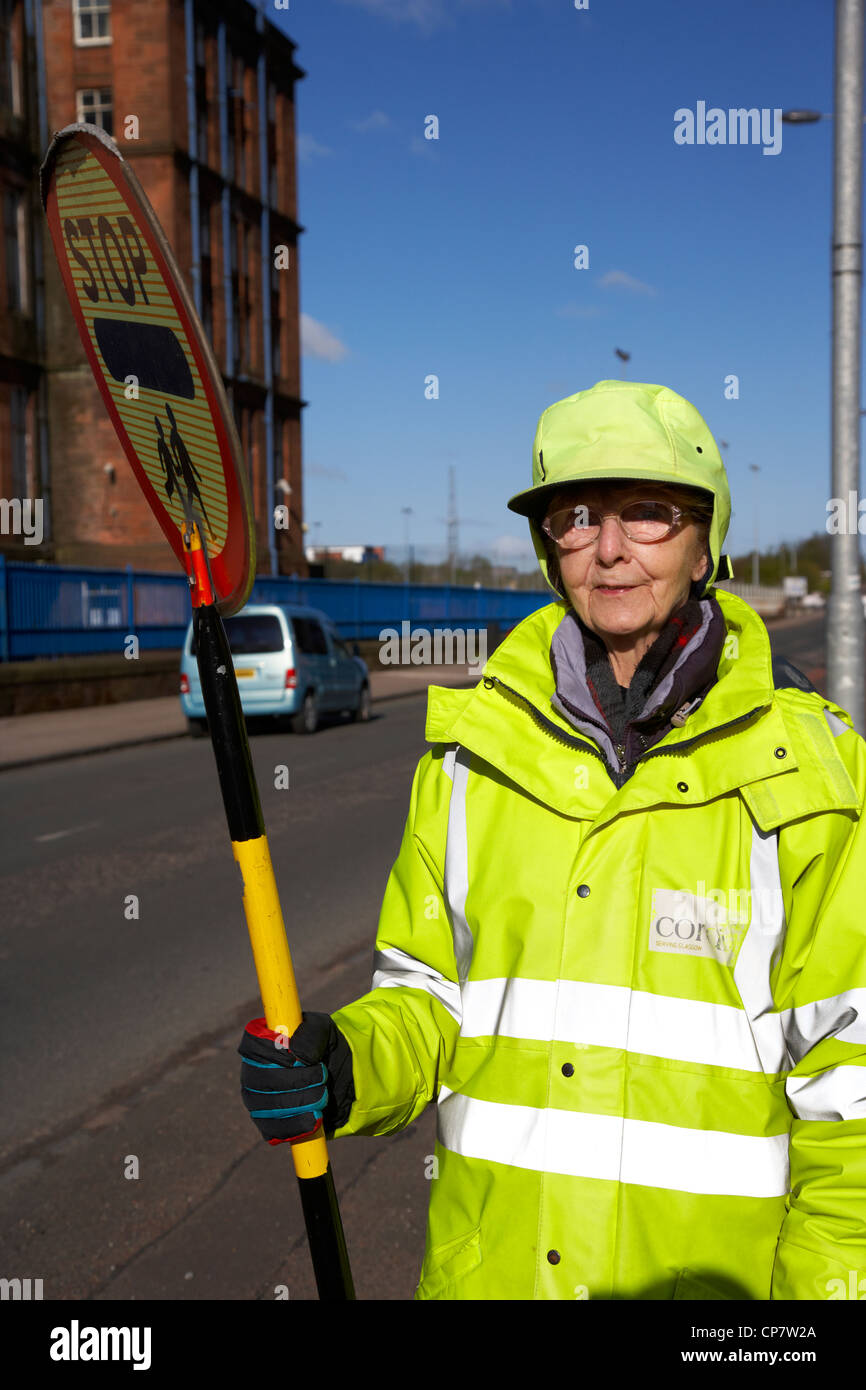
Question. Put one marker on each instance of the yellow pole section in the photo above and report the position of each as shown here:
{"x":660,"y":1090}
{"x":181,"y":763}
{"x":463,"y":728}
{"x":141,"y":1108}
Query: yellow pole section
{"x":274,"y":970}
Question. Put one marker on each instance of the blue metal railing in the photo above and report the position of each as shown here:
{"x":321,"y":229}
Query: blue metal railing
{"x":59,"y":610}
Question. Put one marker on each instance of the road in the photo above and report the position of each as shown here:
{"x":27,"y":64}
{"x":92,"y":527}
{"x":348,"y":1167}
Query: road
{"x":121,"y":1023}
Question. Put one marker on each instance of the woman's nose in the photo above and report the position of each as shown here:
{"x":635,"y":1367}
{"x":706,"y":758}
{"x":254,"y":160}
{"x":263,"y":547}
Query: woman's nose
{"x":610,"y":539}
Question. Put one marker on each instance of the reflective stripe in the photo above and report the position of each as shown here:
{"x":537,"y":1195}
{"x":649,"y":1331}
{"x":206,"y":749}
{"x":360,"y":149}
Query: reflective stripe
{"x":837,"y":725}
{"x":582,"y":1145}
{"x":572,"y":1011}
{"x":457,"y":863}
{"x":837,"y":1094}
{"x":842,"y":1016}
{"x":764,"y":938}
{"x":395,"y":967}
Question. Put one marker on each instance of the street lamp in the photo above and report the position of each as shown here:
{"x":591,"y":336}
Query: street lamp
{"x":755,"y":468}
{"x":407,"y":512}
{"x":846,"y":666}
{"x":623,"y":357}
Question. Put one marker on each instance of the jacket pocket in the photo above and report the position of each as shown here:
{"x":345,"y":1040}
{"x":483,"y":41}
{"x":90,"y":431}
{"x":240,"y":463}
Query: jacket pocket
{"x":693,"y":1287}
{"x":445,"y":1264}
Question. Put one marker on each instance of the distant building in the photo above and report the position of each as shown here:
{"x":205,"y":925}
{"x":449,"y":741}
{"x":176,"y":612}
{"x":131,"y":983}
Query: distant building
{"x":23,"y":441}
{"x":357,"y":554}
{"x":219,"y":170}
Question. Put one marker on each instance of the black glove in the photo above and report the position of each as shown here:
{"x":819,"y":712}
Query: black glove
{"x":295,"y":1086}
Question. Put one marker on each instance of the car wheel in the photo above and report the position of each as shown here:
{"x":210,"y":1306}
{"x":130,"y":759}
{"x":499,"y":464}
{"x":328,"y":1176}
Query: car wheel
{"x":363,"y":710}
{"x":306,"y":721}
{"x":197,"y":727}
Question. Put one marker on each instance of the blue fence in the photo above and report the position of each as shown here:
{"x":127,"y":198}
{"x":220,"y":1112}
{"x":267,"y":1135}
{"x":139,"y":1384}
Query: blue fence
{"x":57,"y":610}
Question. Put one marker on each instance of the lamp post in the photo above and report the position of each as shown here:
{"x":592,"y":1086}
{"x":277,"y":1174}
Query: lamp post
{"x":756,"y":575}
{"x":846,"y":661}
{"x":623,"y":357}
{"x":407,"y":512}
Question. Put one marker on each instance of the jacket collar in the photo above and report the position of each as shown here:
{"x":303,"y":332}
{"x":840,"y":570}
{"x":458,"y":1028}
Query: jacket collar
{"x":508,"y":720}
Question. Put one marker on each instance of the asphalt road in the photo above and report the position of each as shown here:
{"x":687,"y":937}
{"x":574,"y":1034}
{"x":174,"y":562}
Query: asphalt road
{"x":120,"y":1031}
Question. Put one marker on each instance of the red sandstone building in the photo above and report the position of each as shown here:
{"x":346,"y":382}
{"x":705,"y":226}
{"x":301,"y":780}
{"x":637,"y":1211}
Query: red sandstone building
{"x":200,"y":99}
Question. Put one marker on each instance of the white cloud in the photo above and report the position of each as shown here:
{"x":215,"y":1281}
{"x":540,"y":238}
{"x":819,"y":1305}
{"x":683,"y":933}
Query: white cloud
{"x":377,"y":120}
{"x":319,"y":341}
{"x":620,"y":279}
{"x":512,"y":549}
{"x":310,"y":149}
{"x":321,"y":470}
{"x":428,"y":15}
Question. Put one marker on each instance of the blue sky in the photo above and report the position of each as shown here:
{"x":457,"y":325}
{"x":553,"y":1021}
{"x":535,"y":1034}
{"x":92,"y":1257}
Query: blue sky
{"x":454,"y":256}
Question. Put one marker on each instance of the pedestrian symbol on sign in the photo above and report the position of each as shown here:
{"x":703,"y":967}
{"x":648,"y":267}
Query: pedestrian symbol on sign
{"x":178,"y":466}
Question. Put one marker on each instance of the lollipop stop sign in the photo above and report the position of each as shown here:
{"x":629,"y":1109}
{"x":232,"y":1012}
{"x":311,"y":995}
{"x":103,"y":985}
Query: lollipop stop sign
{"x":151,"y":360}
{"x":163,"y":391}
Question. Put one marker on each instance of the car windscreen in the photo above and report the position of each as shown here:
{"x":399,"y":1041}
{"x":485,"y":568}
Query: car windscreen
{"x":251,"y":634}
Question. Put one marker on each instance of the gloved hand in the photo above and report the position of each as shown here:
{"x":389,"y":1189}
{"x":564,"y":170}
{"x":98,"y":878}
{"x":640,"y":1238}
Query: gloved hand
{"x":285,"y":1081}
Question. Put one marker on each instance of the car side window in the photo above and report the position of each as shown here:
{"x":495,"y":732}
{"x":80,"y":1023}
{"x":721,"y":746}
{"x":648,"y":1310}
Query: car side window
{"x":302,"y":634}
{"x":318,"y":641}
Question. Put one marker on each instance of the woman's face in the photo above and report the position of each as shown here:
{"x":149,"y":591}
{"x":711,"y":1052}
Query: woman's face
{"x":620,"y":588}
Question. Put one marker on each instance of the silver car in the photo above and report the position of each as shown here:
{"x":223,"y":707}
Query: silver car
{"x":290,"y":662}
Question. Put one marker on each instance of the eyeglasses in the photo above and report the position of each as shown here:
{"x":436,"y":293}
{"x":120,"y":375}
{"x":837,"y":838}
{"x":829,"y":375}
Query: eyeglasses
{"x":647,"y":522}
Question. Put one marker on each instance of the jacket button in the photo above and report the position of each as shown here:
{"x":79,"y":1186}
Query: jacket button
{"x":682,"y":786}
{"x":781,"y":752}
{"x":488,"y":683}
{"x":583,"y":890}
{"x":567,"y":1069}
{"x":553,"y":1257}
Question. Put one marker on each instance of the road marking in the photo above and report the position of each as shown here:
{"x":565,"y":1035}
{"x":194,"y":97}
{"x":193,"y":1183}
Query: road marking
{"x":74,"y":830}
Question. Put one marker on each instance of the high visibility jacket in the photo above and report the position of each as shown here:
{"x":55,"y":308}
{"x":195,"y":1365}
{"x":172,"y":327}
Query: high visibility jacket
{"x":641,"y":1012}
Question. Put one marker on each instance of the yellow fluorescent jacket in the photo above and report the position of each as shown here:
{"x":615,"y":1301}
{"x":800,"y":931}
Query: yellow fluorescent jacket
{"x":641,"y":1013}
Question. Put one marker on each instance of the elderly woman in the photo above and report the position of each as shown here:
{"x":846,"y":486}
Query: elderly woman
{"x":622,"y":947}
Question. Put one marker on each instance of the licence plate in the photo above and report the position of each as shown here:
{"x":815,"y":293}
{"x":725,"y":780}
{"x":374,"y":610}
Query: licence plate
{"x":241,"y":673}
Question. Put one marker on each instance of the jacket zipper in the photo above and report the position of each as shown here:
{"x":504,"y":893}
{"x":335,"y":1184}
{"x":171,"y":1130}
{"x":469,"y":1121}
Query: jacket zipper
{"x":620,"y":748}
{"x":546,"y":724}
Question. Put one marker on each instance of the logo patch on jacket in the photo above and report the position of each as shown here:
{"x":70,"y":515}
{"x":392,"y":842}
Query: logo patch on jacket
{"x":692,"y":924}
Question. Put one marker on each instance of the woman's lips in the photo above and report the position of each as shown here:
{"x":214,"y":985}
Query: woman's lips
{"x":614,"y":588}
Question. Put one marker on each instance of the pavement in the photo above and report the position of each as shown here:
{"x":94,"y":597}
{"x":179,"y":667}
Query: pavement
{"x":33,"y":738}
{"x":51,"y":734}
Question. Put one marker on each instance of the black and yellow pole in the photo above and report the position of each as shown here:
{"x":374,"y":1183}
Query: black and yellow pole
{"x":262,"y":909}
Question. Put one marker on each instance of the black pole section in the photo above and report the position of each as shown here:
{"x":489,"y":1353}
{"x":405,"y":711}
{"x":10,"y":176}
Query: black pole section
{"x":228,"y":732}
{"x":323,"y":1223}
{"x":240,"y":794}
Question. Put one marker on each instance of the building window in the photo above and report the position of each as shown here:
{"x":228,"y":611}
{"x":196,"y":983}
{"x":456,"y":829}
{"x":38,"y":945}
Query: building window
{"x":95,"y":105}
{"x":236,"y":299}
{"x":10,"y":65}
{"x":244,"y":231}
{"x":15,"y":244}
{"x":206,"y":271}
{"x":18,"y":422}
{"x":92,"y":21}
{"x":276,"y":336}
{"x":201,"y":102}
{"x":241,"y":144}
